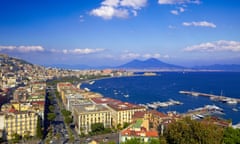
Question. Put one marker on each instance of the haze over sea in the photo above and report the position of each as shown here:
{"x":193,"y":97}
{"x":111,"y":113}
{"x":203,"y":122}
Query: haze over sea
{"x":166,"y":85}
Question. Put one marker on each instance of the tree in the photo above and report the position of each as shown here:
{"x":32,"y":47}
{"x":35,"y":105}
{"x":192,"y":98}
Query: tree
{"x":68,"y":120}
{"x":39,"y":132}
{"x":15,"y":138}
{"x":231,"y":136}
{"x":187,"y":131}
{"x":133,"y":141}
{"x":97,"y":127}
{"x":51,"y":116}
{"x":51,"y":108}
{"x":65,"y":112}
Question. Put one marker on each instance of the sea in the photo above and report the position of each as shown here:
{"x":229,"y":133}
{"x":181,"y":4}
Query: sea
{"x":166,"y":85}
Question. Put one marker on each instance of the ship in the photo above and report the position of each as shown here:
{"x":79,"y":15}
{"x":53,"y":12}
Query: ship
{"x":91,"y":82}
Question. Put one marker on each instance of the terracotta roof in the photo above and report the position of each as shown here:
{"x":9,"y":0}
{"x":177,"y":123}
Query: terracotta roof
{"x":12,"y":110}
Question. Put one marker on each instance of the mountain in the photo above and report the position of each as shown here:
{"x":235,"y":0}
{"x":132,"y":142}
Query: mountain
{"x":151,"y":63}
{"x":222,"y":67}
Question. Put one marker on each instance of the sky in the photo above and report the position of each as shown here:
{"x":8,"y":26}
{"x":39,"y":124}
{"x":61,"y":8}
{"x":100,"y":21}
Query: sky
{"x":113,"y":32}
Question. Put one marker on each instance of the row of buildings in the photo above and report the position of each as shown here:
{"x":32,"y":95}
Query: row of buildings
{"x":21,"y":115}
{"x":89,"y":108}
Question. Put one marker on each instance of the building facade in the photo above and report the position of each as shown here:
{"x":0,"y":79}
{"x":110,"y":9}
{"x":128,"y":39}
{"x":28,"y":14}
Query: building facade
{"x":86,"y":115}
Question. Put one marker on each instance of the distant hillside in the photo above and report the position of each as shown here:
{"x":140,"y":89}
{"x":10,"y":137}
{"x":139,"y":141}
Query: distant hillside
{"x":66,"y":66}
{"x":223,"y":67}
{"x":151,"y":63}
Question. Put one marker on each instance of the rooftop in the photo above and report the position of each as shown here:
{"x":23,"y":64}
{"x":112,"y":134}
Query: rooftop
{"x":116,"y":104}
{"x":88,"y":108}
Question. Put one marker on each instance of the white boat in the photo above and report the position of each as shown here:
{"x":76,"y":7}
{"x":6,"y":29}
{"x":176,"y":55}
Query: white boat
{"x":91,"y":82}
{"x":126,"y":95}
{"x":235,"y":109}
{"x":87,"y":89}
{"x":231,"y":101}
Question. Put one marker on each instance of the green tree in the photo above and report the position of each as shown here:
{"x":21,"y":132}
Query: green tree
{"x":187,"y":131}
{"x":51,"y":108}
{"x":39,"y":132}
{"x":133,"y":141}
{"x":231,"y":136}
{"x":97,"y":127}
{"x":65,"y":112}
{"x":68,"y":120}
{"x":16,"y":138}
{"x":51,"y":116}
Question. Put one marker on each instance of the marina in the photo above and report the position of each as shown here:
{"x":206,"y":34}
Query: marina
{"x":201,"y":112}
{"x":212,"y":97}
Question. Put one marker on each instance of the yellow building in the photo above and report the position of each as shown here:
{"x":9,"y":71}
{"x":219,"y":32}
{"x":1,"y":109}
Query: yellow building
{"x":86,"y":115}
{"x":23,"y":123}
{"x":121,"y":112}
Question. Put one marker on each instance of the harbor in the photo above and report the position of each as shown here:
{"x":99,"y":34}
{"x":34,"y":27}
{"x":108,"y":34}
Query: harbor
{"x":201,"y":112}
{"x":213,"y":97}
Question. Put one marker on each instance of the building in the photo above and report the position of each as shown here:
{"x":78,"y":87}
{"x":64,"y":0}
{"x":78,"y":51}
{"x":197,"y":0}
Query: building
{"x":23,"y":123}
{"x":121,"y":112}
{"x":86,"y":115}
{"x":75,"y":100}
{"x":140,"y":130}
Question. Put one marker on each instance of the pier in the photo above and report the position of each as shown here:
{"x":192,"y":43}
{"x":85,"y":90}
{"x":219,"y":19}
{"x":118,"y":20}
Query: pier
{"x":221,"y":98}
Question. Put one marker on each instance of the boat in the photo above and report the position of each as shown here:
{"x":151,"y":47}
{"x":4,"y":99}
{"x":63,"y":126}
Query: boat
{"x":91,"y":82}
{"x":87,"y":89}
{"x":231,"y":101}
{"x":235,"y":109}
{"x":126,"y":95}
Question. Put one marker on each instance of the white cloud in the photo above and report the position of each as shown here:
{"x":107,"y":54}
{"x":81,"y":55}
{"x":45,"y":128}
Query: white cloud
{"x":217,"y":46}
{"x":118,"y":8}
{"x":113,"y":3}
{"x":156,"y":55}
{"x":200,"y":24}
{"x":129,"y":55}
{"x":134,"y":12}
{"x":175,"y":12}
{"x":135,"y":4}
{"x":179,"y":1}
{"x":108,"y":12}
{"x":181,"y":9}
{"x":132,"y":55}
{"x":22,"y":49}
{"x":82,"y":51}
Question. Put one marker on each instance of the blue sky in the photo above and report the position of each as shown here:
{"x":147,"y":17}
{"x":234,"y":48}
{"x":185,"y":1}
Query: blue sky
{"x":112,"y":32}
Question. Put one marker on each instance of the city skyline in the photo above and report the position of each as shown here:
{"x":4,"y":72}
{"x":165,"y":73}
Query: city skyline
{"x":113,"y":32}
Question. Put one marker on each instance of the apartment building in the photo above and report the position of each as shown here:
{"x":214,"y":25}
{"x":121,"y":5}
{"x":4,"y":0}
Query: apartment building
{"x":121,"y":112}
{"x":23,"y":123}
{"x":86,"y":115}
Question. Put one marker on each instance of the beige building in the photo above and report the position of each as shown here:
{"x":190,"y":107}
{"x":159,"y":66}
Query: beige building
{"x":23,"y":123}
{"x":86,"y":115}
{"x":121,"y":112}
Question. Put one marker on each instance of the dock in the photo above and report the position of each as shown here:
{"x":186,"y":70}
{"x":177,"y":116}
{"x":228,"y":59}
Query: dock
{"x":213,"y":97}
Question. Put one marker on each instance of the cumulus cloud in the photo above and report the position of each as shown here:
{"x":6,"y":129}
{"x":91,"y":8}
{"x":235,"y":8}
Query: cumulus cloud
{"x":22,"y":49}
{"x":200,"y":24}
{"x":217,"y":46}
{"x":82,"y":51}
{"x":118,"y":8}
{"x":132,"y":55}
{"x":135,"y":4}
{"x":175,"y":12}
{"x":179,"y":1}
